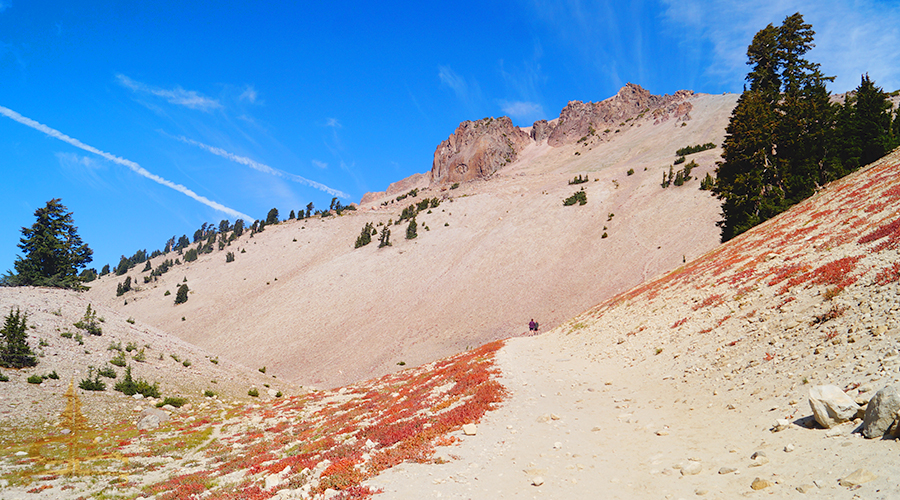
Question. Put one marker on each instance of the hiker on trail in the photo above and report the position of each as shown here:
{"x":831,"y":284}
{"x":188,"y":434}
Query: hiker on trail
{"x":532,"y":326}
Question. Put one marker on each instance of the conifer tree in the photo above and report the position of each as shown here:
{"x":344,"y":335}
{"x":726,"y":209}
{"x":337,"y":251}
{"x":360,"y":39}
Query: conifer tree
{"x":411,"y":229}
{"x":53,"y":251}
{"x":385,"y":237}
{"x":182,"y":295}
{"x":14,"y":350}
{"x":778,"y":147}
{"x":365,"y":236}
{"x":272,"y":217}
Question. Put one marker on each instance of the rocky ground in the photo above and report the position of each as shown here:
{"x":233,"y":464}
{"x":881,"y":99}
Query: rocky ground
{"x":697,"y":383}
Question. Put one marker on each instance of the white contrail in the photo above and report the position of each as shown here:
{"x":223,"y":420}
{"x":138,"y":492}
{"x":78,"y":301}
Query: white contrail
{"x":243,"y":160}
{"x":122,"y":161}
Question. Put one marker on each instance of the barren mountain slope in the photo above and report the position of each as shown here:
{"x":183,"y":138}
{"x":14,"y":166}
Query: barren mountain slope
{"x":496,"y":253}
{"x":697,"y":383}
{"x":179,"y":368}
{"x":692,"y":384}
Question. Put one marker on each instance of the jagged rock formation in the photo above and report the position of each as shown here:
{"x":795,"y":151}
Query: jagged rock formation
{"x":403,"y":185}
{"x":582,"y":119}
{"x":477,"y":150}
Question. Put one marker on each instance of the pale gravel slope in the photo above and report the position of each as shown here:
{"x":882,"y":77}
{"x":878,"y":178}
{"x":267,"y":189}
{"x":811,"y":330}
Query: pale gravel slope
{"x":697,"y":366}
{"x":317,"y":312}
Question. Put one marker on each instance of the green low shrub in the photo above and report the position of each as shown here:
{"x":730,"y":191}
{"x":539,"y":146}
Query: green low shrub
{"x":130,"y":386}
{"x":175,"y":401}
{"x":92,"y":384}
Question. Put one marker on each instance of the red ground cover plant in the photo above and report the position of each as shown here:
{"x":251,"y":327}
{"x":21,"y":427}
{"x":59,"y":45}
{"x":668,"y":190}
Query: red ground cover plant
{"x":888,"y":274}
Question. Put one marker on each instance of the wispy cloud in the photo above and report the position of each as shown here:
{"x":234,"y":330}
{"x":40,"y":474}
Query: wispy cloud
{"x":249,"y":94}
{"x":187,"y":98}
{"x":468,"y":93}
{"x":524,"y":82}
{"x":851,"y":38}
{"x":522,"y":110}
{"x":82,"y":169}
{"x":134,"y":167}
{"x":261,"y":167}
{"x":320,"y":164}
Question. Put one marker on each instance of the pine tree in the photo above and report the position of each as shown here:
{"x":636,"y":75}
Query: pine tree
{"x":385,"y":237}
{"x":365,"y":236}
{"x":292,"y":216}
{"x":865,"y":124}
{"x":779,"y":145}
{"x":411,"y":229}
{"x":53,"y":251}
{"x":272,"y":217}
{"x":14,"y":350}
{"x":182,"y":296}
{"x":239,"y":227}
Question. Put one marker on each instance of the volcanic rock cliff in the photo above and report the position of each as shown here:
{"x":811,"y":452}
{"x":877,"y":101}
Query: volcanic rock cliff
{"x":478,"y":149}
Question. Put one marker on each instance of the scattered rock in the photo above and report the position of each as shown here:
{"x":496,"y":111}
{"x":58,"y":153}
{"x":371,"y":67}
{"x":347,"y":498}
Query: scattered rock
{"x":759,"y":461}
{"x":806,"y":487}
{"x":537,"y":481}
{"x":150,"y":418}
{"x":662,"y":432}
{"x":857,"y":477}
{"x":727,"y":470}
{"x":691,"y":469}
{"x":469,"y":429}
{"x":759,"y":484}
{"x":781,"y":424}
{"x":789,"y":448}
{"x":701,"y":491}
{"x":835,"y":432}
{"x":881,"y":413}
{"x":831,"y":406}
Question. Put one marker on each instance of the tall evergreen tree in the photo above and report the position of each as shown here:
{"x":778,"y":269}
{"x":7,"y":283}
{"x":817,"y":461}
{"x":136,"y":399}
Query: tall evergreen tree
{"x":779,"y":145}
{"x":272,"y":216}
{"x":14,"y":350}
{"x":411,"y":229}
{"x":53,"y":251}
{"x":866,"y":124}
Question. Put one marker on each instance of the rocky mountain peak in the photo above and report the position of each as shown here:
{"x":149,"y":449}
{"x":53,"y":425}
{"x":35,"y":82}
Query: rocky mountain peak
{"x":477,"y":149}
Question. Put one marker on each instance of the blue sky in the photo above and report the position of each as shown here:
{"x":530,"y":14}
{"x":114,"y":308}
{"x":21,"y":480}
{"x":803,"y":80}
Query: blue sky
{"x":151,"y":118}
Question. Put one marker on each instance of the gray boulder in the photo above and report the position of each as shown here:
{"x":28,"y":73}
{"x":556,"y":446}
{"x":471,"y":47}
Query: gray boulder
{"x":150,"y":418}
{"x":831,"y":406}
{"x":881,"y":413}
